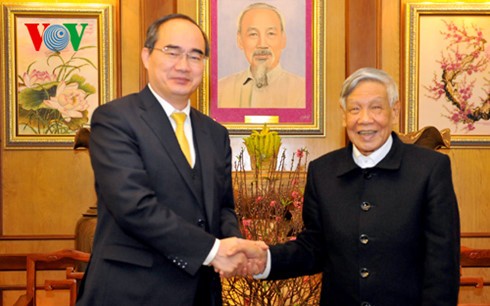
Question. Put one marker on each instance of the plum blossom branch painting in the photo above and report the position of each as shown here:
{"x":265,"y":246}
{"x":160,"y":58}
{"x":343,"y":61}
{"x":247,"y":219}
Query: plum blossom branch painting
{"x":447,"y":70}
{"x":58,"y":71}
{"x":463,"y":63}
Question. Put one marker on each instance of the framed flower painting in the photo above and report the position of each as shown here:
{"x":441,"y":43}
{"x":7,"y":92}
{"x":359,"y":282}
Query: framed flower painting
{"x":58,"y":62}
{"x":446,"y":69}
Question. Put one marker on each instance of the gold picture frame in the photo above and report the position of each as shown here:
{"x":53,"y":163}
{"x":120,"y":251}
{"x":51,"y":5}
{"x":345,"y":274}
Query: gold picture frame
{"x":59,"y":65}
{"x":219,"y":20}
{"x":445,"y":70}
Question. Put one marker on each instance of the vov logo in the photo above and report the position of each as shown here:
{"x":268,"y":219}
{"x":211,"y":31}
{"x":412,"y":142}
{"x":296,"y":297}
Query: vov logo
{"x":55,"y":36}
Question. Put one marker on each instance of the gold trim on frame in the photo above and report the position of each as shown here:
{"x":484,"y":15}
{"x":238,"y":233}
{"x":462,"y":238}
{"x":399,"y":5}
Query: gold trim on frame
{"x":104,"y":17}
{"x":412,"y":12}
{"x":316,"y":127}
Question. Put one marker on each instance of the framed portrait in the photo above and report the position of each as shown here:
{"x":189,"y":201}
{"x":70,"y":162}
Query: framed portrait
{"x":446,"y":70}
{"x":266,"y":65}
{"x":58,"y":64}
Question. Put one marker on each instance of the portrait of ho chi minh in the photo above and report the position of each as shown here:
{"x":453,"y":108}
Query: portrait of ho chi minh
{"x":264,"y":84}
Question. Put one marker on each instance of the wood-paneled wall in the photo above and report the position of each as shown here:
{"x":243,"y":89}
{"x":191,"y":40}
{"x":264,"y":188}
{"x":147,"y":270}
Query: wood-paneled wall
{"x":44,"y":192}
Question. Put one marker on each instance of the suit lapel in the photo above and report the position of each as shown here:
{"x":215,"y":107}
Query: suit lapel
{"x":156,"y":119}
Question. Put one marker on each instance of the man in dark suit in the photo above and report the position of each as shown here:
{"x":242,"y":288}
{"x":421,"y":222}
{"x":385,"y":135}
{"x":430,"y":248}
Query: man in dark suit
{"x":165,"y":199}
{"x":381,"y":217}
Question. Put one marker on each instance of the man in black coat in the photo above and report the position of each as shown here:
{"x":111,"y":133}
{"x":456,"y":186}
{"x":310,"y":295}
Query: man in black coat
{"x":381,"y":217}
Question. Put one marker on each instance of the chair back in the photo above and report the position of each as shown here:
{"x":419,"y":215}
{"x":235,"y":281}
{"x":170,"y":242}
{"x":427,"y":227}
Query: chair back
{"x":429,"y":137}
{"x":474,"y":258}
{"x":64,"y":259}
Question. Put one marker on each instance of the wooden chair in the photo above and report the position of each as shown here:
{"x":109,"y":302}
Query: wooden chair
{"x":429,"y":137}
{"x":65,"y":259}
{"x":82,"y":139}
{"x":474,"y":258}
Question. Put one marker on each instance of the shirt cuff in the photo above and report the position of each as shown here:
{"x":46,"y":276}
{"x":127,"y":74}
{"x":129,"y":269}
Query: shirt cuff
{"x":267,"y":269}
{"x":212,"y":253}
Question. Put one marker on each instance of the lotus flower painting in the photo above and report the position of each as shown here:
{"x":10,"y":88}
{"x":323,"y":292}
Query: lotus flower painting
{"x":57,"y":75}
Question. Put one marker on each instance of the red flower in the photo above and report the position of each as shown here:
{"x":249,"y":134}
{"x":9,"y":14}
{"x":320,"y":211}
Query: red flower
{"x":299,"y":153}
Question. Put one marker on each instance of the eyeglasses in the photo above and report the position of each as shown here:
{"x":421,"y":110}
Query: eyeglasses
{"x":175,"y":54}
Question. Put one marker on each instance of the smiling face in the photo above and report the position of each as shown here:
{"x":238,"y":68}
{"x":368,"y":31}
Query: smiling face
{"x":368,"y":116}
{"x":261,"y":38}
{"x":175,"y":79}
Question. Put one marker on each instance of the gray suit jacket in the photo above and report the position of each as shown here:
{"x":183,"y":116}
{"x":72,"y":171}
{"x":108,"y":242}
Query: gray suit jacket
{"x":150,"y":240}
{"x":386,"y":236}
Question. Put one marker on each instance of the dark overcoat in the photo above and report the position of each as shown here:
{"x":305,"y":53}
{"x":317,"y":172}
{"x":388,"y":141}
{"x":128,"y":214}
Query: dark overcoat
{"x":157,"y":217}
{"x":387,"y":236}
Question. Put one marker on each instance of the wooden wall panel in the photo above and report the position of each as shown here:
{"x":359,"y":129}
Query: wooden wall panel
{"x":362,"y":34}
{"x":45,"y":192}
{"x":150,"y":11}
{"x":389,"y":35}
{"x":130,"y":38}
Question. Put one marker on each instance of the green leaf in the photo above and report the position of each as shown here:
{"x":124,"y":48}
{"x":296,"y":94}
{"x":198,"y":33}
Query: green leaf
{"x":86,"y":60}
{"x":33,"y":98}
{"x":89,"y":89}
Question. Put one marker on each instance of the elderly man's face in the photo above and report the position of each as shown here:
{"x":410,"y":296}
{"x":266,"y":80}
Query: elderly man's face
{"x":261,"y":38}
{"x":368,"y":117}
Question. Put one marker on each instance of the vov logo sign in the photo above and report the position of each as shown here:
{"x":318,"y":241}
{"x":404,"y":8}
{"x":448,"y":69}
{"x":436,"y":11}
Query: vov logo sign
{"x":56,"y":36}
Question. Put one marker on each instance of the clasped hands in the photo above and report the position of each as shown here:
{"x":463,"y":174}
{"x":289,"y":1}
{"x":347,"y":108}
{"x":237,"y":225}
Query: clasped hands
{"x":238,"y":256}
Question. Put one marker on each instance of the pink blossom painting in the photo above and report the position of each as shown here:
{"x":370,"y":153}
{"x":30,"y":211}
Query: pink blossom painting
{"x":445,"y":79}
{"x":457,"y":94}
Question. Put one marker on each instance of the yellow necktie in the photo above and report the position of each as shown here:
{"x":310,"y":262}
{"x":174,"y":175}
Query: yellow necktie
{"x":179,"y":119}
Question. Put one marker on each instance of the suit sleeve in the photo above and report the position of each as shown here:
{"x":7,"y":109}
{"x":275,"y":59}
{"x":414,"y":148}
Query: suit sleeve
{"x":229,"y":224}
{"x":442,"y":233}
{"x":301,"y":256}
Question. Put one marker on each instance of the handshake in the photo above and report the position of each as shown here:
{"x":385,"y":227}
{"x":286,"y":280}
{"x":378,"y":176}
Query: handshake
{"x":238,"y":256}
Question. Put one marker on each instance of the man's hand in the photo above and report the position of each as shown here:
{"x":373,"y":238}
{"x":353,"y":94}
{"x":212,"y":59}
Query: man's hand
{"x":226,"y":263}
{"x":240,"y":257}
{"x":256,"y":253}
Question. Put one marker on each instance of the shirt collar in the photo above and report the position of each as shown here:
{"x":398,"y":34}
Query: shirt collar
{"x":374,"y":158}
{"x":167,"y":107}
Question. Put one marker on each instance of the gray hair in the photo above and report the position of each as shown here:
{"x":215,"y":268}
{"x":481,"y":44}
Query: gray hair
{"x":259,"y":5}
{"x":369,"y":74}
